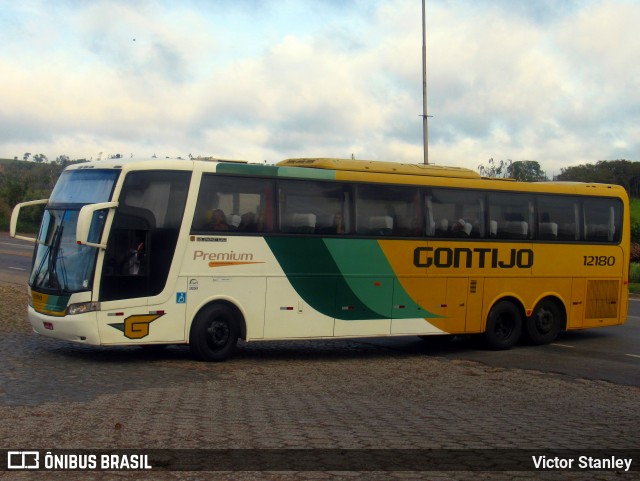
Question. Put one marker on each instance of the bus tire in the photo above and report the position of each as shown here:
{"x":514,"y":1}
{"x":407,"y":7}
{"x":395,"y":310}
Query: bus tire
{"x":544,"y":324}
{"x":504,"y":326}
{"x":214,"y":333}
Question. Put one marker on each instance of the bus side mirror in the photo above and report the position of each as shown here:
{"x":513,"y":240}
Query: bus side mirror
{"x":89,"y":232}
{"x":14,"y":218}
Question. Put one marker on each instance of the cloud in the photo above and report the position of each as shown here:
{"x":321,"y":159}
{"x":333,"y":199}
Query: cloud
{"x":519,"y":90}
{"x":267,"y":80}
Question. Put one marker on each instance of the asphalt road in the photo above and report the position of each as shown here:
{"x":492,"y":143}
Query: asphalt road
{"x":611,"y":353}
{"x":15,"y":259}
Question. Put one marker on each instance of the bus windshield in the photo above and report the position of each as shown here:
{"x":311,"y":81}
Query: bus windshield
{"x":84,"y":187}
{"x":60,"y":265}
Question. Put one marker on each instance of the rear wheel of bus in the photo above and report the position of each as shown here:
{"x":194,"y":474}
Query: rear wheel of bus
{"x":543,"y":326}
{"x":504,"y":326}
{"x":214,"y":333}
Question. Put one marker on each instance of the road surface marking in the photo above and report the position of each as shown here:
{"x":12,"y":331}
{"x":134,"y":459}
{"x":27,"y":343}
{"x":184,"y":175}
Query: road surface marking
{"x":562,"y":345}
{"x":632,"y":355}
{"x":16,"y":253}
{"x":15,"y":245}
{"x":16,"y":268}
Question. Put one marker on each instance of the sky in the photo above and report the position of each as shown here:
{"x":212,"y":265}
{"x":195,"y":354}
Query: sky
{"x":556,"y":81}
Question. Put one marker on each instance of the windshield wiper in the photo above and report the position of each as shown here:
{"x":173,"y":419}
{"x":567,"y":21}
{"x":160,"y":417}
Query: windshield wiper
{"x":36,"y":280}
{"x":53,"y":258}
{"x":47,"y":256}
{"x":49,"y":279}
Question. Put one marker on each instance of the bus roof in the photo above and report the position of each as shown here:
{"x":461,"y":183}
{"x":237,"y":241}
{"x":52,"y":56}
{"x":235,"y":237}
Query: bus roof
{"x":381,"y":167}
{"x":327,"y":168}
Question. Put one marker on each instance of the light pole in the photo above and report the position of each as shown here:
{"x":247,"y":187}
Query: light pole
{"x":425,"y":128}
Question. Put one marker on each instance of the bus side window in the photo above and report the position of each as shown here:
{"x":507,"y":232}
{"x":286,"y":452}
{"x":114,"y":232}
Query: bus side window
{"x":313,"y":207}
{"x":601,"y":220}
{"x":513,"y":215}
{"x":457,"y":213}
{"x":557,"y":218}
{"x":385,"y":210}
{"x":247,"y":205}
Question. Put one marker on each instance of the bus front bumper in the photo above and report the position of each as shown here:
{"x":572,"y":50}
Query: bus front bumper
{"x":81,"y":328}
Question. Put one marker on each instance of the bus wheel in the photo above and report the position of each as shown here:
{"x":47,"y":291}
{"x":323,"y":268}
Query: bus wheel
{"x":214,"y":333}
{"x":544,"y":324}
{"x":504,"y":326}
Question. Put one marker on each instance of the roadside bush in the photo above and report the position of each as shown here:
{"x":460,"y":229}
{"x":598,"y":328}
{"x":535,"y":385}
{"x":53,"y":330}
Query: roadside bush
{"x":635,"y":231}
{"x":5,"y":216}
{"x":634,"y":273}
{"x":635,"y":252}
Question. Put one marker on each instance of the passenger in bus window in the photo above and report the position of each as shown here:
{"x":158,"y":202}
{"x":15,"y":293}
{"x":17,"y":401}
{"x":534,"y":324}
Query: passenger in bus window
{"x":247,"y":222}
{"x":135,"y":259}
{"x":218,"y":221}
{"x":338,"y":223}
{"x":461,"y":228}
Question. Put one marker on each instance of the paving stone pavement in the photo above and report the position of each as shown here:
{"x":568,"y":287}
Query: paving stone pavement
{"x":299,"y":395}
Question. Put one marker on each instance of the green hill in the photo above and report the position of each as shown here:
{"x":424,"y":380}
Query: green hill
{"x":24,"y":180}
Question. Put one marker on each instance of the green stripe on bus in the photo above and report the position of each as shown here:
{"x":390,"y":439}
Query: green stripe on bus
{"x":360,"y":259}
{"x":352,"y":279}
{"x":366,"y":271}
{"x":326,"y":290}
{"x":298,"y":257}
{"x":273,"y":171}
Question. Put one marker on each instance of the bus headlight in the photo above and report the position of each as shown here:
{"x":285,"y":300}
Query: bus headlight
{"x":82,"y":307}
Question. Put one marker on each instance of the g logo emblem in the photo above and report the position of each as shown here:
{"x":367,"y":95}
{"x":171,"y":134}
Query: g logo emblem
{"x":136,"y":326}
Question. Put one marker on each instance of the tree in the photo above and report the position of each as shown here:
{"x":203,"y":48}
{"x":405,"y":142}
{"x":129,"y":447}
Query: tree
{"x":26,"y":156}
{"x":495,"y":169}
{"x":12,"y":189}
{"x":40,"y":158}
{"x":522,"y":170}
{"x":621,"y":172}
{"x":526,"y":171}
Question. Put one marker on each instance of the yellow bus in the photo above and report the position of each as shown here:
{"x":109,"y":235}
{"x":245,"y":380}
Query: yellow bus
{"x":205,"y":252}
